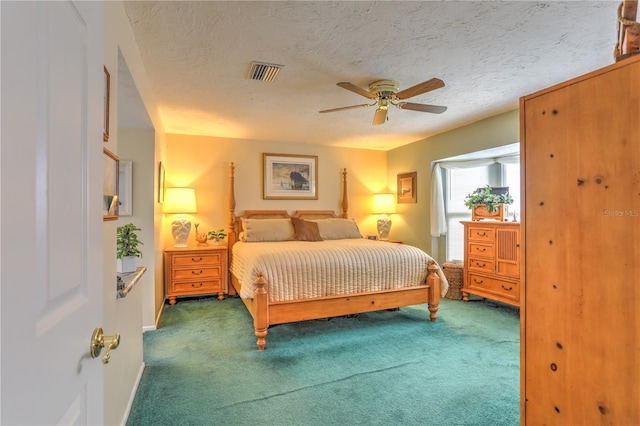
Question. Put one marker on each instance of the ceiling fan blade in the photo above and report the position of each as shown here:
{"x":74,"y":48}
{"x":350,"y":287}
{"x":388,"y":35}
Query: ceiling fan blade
{"x":418,"y":89}
{"x":380,"y":116}
{"x":356,"y":89}
{"x":422,"y":107}
{"x":347,"y":107}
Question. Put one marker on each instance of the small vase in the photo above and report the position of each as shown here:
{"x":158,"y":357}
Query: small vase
{"x":126,"y":264}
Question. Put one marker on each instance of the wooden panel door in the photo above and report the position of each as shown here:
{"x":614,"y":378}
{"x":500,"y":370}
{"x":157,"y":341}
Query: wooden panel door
{"x":52,"y":272}
{"x":581,"y":238}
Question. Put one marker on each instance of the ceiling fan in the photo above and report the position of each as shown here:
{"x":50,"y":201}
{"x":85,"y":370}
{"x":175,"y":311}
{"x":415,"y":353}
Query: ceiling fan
{"x":387,"y":92}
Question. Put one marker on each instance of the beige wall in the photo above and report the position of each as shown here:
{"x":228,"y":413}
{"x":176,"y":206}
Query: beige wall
{"x":203,"y":163}
{"x":137,"y":145}
{"x":412,"y":221}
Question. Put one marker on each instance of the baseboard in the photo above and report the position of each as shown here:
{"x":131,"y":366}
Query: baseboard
{"x":154,"y":327}
{"x":133,"y":395}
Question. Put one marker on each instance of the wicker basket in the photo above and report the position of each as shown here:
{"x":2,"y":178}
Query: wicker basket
{"x":454,"y":273}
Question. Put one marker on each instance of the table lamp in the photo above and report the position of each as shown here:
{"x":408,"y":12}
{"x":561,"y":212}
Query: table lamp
{"x":180,"y":201}
{"x":384,"y":204}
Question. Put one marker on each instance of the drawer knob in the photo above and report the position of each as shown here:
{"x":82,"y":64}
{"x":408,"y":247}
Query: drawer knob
{"x":197,"y":272}
{"x":478,"y":281}
{"x":196,"y":285}
{"x":193,"y":259}
{"x":481,"y":234}
{"x":481,"y":265}
{"x":482,"y":250}
{"x":508,"y":289}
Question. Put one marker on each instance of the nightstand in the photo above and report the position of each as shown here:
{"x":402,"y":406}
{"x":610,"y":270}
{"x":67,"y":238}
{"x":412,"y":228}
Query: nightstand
{"x":195,"y":271}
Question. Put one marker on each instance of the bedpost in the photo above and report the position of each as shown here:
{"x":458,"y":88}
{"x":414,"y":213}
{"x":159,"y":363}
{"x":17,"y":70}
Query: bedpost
{"x":232,"y":209}
{"x":433,"y":281}
{"x":345,"y":197}
{"x":261,"y":311}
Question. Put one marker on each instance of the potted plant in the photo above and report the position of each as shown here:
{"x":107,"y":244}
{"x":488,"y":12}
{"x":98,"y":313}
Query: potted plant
{"x":217,"y":236}
{"x":486,"y":204}
{"x":127,"y":248}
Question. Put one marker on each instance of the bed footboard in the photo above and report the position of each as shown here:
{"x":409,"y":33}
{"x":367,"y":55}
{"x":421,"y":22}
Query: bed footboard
{"x":266,"y":314}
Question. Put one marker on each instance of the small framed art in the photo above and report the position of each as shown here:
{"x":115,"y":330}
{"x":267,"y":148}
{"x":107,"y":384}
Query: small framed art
{"x":107,"y":95}
{"x":407,"y":188}
{"x":110,"y":185}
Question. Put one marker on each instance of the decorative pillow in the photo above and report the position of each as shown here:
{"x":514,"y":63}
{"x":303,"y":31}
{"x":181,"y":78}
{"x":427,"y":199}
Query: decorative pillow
{"x":338,"y":229}
{"x":305,"y":230}
{"x":262,"y":230}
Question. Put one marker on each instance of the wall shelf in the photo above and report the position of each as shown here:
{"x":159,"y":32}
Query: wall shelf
{"x":126,"y":281}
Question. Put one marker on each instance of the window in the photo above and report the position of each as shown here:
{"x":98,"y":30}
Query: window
{"x":460,"y":179}
{"x":460,"y":182}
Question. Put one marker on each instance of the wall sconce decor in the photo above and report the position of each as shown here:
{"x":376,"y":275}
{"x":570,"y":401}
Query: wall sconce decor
{"x":384,"y":204}
{"x":180,"y":201}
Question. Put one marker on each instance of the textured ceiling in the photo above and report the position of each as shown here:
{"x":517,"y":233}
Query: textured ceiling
{"x":488,"y":53}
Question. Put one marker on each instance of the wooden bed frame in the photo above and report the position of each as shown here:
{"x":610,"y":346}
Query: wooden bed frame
{"x":267,"y":313}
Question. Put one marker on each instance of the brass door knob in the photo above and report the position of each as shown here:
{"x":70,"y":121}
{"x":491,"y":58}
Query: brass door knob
{"x":98,"y":341}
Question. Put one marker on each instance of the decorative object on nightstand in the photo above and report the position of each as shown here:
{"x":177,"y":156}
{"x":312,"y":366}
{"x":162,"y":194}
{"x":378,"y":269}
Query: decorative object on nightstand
{"x":217,"y":236}
{"x":201,"y":238}
{"x":384,"y":205}
{"x":180,"y":201}
{"x":127,"y":248}
{"x":195,"y":271}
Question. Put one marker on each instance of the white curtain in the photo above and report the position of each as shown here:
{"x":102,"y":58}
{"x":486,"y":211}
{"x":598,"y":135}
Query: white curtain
{"x":438,"y":218}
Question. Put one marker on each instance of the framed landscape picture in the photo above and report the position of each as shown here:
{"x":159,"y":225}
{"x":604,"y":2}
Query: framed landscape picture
{"x":407,"y":187}
{"x":290,"y":177}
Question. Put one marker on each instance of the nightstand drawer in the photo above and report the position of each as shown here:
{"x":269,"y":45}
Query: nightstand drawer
{"x":196,"y":273}
{"x":481,"y":250}
{"x":481,"y":234}
{"x":505,"y":289}
{"x":196,"y":287}
{"x":195,"y":260}
{"x":479,"y":264}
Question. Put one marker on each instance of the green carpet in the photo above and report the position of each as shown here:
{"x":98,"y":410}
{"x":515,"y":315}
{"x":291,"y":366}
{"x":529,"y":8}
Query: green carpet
{"x":380,"y":368}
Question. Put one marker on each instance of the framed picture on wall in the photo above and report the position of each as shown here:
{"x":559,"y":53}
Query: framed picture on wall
{"x":107,"y":95}
{"x":290,"y":177}
{"x":110,"y":185}
{"x":161,"y":183}
{"x":407,"y":188}
{"x":125,"y":202}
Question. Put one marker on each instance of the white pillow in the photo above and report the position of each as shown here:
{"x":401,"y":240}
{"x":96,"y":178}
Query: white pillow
{"x":338,"y":228}
{"x":262,"y":230}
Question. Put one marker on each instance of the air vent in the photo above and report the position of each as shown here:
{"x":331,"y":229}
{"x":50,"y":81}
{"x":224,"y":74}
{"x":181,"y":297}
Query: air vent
{"x":263,"y":72}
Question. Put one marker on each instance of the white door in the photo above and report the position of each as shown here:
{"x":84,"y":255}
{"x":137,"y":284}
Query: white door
{"x":51,"y":216}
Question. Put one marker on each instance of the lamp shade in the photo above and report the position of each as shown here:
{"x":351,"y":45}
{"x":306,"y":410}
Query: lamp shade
{"x":384,"y":204}
{"x":180,"y":200}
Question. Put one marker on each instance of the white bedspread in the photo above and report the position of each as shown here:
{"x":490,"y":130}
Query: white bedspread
{"x":300,"y":269}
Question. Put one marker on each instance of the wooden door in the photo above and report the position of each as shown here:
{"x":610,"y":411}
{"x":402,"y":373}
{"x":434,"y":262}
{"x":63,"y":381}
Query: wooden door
{"x":581,"y":312}
{"x":51,"y":188}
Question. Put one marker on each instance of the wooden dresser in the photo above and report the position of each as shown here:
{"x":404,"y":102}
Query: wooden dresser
{"x":492,"y":261}
{"x":195,"y":271}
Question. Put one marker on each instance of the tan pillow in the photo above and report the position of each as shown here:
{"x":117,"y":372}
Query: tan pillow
{"x":263,"y":230}
{"x":338,"y":229}
{"x":305,"y":230}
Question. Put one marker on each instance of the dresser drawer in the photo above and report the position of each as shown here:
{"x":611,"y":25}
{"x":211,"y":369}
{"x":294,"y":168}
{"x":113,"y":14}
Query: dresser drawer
{"x":196,"y":273}
{"x":198,"y":287}
{"x":507,"y":289}
{"x":196,"y":259}
{"x":480,"y":264}
{"x":481,"y":234}
{"x":481,"y":250}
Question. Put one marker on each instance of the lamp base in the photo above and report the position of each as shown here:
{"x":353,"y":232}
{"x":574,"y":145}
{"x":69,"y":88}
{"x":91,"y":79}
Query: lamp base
{"x":180,"y":228}
{"x":384,"y":226}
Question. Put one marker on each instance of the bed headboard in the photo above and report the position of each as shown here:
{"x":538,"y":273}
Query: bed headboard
{"x":235,"y":222}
